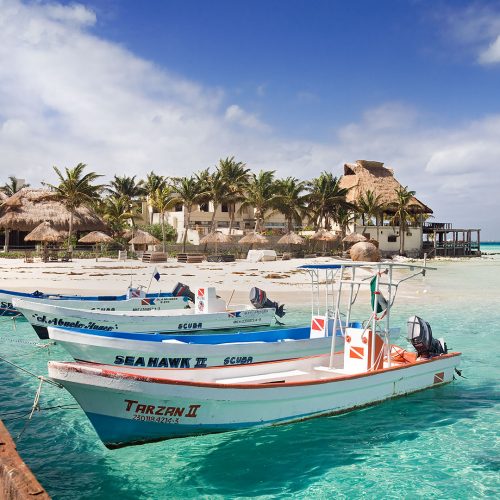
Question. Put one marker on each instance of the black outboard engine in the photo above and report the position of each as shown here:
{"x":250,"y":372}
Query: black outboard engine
{"x":420,"y":335}
{"x":259,"y":300}
{"x":181,"y":290}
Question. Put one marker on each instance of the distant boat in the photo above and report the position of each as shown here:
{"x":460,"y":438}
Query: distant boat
{"x":209,"y":312}
{"x":136,"y":405}
{"x":133,"y":299}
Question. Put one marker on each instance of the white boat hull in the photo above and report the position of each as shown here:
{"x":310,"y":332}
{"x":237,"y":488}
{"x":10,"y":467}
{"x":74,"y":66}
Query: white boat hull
{"x":174,"y":354}
{"x":42,"y":315}
{"x":132,"y":408}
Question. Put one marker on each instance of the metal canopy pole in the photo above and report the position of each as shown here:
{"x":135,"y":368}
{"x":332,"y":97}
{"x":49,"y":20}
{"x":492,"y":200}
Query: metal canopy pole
{"x":335,"y":320}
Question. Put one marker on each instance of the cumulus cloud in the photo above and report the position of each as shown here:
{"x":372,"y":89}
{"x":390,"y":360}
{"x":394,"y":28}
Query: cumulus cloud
{"x":68,"y":96}
{"x":476,"y":26}
{"x":236,"y":114}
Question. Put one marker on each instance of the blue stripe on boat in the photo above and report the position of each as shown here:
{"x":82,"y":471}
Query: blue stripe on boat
{"x":84,"y":297}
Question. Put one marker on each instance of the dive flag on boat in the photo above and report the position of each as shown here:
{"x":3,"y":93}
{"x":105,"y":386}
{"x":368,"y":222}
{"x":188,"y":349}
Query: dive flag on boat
{"x":156,"y":274}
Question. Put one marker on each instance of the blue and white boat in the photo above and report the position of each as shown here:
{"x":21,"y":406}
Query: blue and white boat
{"x":133,"y":405}
{"x":135,"y":299}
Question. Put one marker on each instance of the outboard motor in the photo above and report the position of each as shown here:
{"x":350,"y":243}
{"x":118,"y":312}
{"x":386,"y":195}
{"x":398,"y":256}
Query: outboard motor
{"x":420,"y":335}
{"x":259,"y":300}
{"x":181,"y":290}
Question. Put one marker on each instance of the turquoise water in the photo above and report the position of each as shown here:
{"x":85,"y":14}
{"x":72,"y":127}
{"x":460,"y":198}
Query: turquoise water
{"x":440,"y":443}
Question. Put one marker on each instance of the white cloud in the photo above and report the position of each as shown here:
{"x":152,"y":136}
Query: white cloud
{"x":477,"y":27}
{"x":67,"y":96}
{"x":236,"y":114}
{"x":491,"y":55}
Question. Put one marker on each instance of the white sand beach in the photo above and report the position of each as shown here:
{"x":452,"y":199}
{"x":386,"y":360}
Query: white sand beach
{"x":281,"y":279}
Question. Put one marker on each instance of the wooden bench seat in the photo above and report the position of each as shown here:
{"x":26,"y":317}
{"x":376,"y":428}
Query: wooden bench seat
{"x":190,"y":258}
{"x":154,"y":257}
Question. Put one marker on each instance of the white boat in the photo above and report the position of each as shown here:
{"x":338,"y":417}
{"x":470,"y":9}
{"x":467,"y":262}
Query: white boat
{"x":188,"y":351}
{"x":135,"y":299}
{"x":210,"y":312}
{"x":132,"y":406}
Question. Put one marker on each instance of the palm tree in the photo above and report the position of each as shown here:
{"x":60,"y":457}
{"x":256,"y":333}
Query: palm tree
{"x":344,"y":217}
{"x":290,"y":201}
{"x":369,"y":206}
{"x":116,"y":213}
{"x":402,"y":213}
{"x":235,"y":175}
{"x":261,"y":194}
{"x":161,"y":200}
{"x":215,"y":190}
{"x":188,"y":191}
{"x":75,"y":189}
{"x":127,"y":188}
{"x":12,"y":186}
{"x":153,"y":183}
{"x":325,"y":197}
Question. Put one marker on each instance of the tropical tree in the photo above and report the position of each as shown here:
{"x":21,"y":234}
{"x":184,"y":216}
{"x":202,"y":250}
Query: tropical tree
{"x":127,"y":188}
{"x":75,"y":189}
{"x":261,"y":194}
{"x":161,"y":201}
{"x":402,"y":213}
{"x":214,"y":189}
{"x":325,"y":197}
{"x":186,"y":191}
{"x":369,"y":205}
{"x":291,"y":201}
{"x":344,"y":217}
{"x":12,"y":186}
{"x":116,"y":214}
{"x":235,"y":175}
{"x":153,"y":183}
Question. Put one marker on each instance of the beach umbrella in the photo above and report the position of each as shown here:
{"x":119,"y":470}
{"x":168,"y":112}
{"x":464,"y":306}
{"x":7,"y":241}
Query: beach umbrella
{"x":45,"y":233}
{"x":254,"y":239}
{"x":354,"y":238}
{"x":325,"y":236}
{"x":96,"y":237}
{"x":291,"y":239}
{"x":143,"y":238}
{"x":216,"y":237}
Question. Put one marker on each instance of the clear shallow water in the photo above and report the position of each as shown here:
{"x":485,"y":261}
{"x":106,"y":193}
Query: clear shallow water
{"x":440,"y":443}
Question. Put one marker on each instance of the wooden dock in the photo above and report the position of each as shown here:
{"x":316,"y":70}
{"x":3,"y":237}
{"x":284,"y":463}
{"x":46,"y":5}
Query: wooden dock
{"x":445,"y":241}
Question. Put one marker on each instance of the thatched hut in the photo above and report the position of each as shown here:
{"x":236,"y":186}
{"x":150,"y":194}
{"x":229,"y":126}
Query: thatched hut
{"x":142,"y":239}
{"x":45,"y":233}
{"x":291,"y":239}
{"x":254,"y":239}
{"x":29,"y":207}
{"x":364,"y":175}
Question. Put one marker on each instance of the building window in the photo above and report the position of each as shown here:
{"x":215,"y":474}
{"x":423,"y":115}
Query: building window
{"x":178,"y":207}
{"x":224,"y":207}
{"x":204,"y":207}
{"x":392,"y":238}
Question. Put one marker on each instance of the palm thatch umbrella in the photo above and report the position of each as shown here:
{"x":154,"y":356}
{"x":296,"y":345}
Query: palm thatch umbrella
{"x":324,"y":236}
{"x":254,"y":239}
{"x":144,"y":238}
{"x":96,"y":237}
{"x":216,"y":237}
{"x":291,"y":239}
{"x":353,"y":238}
{"x":45,"y":233}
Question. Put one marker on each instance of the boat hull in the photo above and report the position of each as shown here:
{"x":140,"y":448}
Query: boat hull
{"x":194,"y":351}
{"x":42,"y":315}
{"x":150,"y":302}
{"x":136,"y":409}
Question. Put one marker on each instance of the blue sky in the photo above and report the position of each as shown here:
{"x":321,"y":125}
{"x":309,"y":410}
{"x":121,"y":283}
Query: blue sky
{"x":295,"y":86}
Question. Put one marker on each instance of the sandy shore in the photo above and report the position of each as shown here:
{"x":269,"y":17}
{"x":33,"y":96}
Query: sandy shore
{"x":281,"y":279}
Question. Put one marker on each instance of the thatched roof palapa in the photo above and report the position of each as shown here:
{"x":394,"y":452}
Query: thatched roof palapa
{"x":291,"y":239}
{"x":144,"y":238}
{"x":216,"y":237}
{"x":96,"y":237}
{"x":324,"y":235}
{"x":29,"y":207}
{"x":364,"y":175}
{"x":354,"y":238}
{"x":45,"y":233}
{"x":254,"y":239}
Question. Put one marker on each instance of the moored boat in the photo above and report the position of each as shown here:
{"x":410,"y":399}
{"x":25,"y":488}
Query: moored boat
{"x":209,"y":312}
{"x":135,"y":299}
{"x":132,"y":406}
